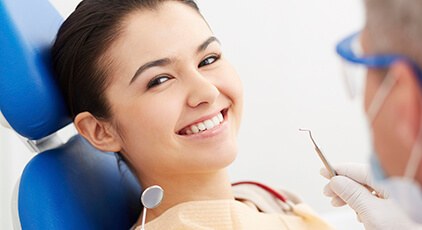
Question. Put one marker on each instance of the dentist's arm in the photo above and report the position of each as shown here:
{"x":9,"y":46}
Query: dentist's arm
{"x":375,"y":213}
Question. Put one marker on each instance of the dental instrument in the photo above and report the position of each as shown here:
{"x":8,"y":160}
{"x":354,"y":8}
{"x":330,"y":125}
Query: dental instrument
{"x":150,"y":198}
{"x":331,"y":169}
{"x":320,"y":154}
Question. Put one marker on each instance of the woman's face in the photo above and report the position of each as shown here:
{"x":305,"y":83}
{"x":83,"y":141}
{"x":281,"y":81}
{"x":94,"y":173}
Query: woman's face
{"x":176,"y":102}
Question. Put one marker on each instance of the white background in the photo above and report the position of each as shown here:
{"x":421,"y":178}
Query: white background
{"x":284,"y":52}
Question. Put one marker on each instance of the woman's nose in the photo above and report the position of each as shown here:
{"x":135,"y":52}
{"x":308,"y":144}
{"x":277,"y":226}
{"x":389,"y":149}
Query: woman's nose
{"x":201,"y":91}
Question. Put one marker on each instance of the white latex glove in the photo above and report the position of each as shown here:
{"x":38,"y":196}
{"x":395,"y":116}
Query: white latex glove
{"x":375,"y":213}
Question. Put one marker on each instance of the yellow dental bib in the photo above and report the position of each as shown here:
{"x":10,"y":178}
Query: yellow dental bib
{"x":255,"y":210}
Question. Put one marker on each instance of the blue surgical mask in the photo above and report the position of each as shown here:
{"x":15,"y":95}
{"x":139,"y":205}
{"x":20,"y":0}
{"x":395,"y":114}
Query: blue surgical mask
{"x":377,"y":172}
{"x":404,"y":190}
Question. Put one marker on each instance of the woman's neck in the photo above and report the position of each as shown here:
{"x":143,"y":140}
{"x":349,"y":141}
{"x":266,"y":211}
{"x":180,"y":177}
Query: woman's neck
{"x":183,"y":188}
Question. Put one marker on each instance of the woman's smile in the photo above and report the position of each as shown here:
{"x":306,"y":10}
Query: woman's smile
{"x":206,"y":123}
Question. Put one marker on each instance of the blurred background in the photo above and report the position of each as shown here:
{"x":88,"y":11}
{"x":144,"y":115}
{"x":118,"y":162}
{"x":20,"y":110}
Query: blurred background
{"x":284,"y":53}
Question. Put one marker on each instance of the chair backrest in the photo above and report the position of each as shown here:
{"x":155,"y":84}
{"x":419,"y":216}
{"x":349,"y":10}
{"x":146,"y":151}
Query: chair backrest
{"x":73,"y":186}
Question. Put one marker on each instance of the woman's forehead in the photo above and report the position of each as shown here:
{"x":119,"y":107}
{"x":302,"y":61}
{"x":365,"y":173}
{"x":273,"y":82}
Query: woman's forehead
{"x":171,"y":30}
{"x":171,"y":22}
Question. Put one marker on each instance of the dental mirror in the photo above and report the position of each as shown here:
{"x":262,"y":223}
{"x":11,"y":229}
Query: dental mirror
{"x":150,"y":198}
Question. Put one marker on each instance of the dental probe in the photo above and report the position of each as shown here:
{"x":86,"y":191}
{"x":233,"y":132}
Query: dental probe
{"x":331,"y":169}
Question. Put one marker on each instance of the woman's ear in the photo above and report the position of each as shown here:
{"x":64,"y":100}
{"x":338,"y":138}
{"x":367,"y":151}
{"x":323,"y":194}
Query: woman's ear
{"x":99,"y":133}
{"x":408,"y":103}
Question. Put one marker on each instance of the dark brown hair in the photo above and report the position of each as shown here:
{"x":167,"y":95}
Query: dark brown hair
{"x":82,"y":41}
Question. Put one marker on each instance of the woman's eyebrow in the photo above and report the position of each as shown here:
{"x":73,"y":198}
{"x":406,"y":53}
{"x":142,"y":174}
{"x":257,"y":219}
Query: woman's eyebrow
{"x":207,"y":42}
{"x":167,"y":61}
{"x":159,"y":62}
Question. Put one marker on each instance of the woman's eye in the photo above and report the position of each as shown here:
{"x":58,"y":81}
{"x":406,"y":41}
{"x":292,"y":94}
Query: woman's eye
{"x":157,"y":81}
{"x":209,"y":60}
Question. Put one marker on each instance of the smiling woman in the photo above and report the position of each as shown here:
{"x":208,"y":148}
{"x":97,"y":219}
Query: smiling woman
{"x":148,"y":79}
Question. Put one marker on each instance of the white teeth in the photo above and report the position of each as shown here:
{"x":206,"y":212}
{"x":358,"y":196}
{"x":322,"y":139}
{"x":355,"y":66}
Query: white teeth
{"x":201,"y":126}
{"x":216,"y":120}
{"x":194,"y":129}
{"x":220,"y":117}
{"x":208,"y":124}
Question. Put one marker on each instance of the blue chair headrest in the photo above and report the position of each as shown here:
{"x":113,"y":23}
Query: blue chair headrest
{"x":74,"y":186}
{"x":77,"y":187}
{"x":29,"y":98}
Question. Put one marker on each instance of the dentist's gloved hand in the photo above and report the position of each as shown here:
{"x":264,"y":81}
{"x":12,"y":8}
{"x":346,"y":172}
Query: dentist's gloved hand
{"x":374,"y":212}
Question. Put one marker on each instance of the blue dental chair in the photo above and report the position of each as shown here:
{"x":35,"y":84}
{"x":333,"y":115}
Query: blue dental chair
{"x":66,"y":185}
